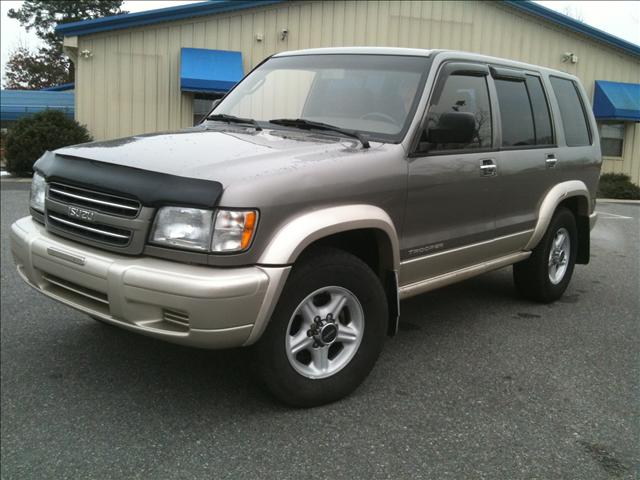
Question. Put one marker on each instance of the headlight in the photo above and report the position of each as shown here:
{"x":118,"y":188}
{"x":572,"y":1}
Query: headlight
{"x":38,"y":186}
{"x":233,"y":230}
{"x":194,"y":229}
{"x":183,"y":228}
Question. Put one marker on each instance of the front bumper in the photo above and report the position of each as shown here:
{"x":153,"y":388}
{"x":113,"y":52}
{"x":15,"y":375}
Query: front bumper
{"x":191,"y":305}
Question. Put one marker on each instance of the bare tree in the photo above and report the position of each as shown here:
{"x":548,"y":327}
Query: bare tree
{"x":574,"y":12}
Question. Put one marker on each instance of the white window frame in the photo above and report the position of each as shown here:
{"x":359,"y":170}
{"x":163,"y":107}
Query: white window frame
{"x":624,"y":134}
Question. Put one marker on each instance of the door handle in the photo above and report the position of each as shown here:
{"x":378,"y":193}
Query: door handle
{"x":551,"y":160}
{"x":488,"y":168}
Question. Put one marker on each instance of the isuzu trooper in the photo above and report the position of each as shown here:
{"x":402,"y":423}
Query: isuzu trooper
{"x":325,"y":187}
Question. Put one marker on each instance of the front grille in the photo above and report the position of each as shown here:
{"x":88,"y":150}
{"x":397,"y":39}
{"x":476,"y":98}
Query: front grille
{"x":99,"y":219}
{"x":99,"y":201}
{"x":92,"y":231}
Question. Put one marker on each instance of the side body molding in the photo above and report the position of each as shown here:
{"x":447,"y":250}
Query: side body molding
{"x":560,"y":192}
{"x":297,"y":234}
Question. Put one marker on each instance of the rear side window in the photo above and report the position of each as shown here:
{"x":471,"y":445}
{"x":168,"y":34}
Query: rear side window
{"x":574,"y":122}
{"x":467,"y":94}
{"x":515,"y":114}
{"x":541,"y":115}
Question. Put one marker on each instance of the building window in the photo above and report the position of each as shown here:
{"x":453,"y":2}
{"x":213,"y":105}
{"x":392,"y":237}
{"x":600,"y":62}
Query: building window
{"x":202,"y":104}
{"x":611,"y":139}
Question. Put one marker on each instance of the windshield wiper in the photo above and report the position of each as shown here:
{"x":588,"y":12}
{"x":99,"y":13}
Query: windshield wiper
{"x":309,"y":124}
{"x":223,"y":117}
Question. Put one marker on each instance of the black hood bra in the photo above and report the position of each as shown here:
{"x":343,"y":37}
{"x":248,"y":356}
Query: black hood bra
{"x":153,"y":189}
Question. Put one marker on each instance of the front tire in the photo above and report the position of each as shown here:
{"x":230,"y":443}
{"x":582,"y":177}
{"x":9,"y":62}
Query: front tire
{"x":326,"y":332}
{"x":545,"y":275}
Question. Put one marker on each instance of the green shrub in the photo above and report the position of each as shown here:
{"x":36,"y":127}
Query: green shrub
{"x":618,"y":185}
{"x":31,"y":136}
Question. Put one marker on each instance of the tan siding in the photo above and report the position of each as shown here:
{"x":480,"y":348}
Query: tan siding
{"x":131,"y":83}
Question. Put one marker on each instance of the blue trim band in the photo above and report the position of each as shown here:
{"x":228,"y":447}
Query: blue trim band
{"x":129,"y":20}
{"x":15,"y":104}
{"x":59,"y":88}
{"x":575,"y":25}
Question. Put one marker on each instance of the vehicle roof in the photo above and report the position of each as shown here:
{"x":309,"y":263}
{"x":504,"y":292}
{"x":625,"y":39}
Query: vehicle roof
{"x":359,"y":50}
{"x":425,"y":53}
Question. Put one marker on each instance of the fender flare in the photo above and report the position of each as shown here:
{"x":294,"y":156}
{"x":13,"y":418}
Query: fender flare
{"x":301,"y":231}
{"x":553,"y":198}
{"x":290,"y":240}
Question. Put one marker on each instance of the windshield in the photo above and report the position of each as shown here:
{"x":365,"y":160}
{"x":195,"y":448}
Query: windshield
{"x":375,"y":95}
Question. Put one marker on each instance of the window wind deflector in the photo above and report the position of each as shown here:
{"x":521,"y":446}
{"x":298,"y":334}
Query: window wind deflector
{"x":222,"y":117}
{"x":507,"y":74}
{"x":309,"y":124}
{"x":467,"y":69}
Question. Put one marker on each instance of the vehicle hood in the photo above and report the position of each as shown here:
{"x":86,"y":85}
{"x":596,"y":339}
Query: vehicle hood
{"x":224,"y":156}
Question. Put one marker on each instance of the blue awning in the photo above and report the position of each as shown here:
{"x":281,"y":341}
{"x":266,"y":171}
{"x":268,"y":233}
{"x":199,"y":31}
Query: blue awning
{"x":215,"y":71}
{"x":15,"y":104}
{"x":616,"y":101}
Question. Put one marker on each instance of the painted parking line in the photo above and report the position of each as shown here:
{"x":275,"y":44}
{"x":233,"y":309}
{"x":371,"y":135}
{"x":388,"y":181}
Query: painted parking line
{"x":613,"y":216}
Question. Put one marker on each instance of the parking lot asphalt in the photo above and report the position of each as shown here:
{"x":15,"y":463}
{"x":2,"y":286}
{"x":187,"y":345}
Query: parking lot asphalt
{"x":477,"y":384}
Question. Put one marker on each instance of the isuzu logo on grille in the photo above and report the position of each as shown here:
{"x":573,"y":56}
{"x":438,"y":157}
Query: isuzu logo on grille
{"x":81,"y":214}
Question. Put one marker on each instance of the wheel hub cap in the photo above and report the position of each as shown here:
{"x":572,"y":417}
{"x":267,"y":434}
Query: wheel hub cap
{"x":328,"y":334}
{"x":324,"y":332}
{"x":559,"y":256}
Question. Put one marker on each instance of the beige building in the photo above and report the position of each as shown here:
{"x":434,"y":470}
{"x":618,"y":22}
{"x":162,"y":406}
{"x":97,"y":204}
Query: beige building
{"x":131,"y":73}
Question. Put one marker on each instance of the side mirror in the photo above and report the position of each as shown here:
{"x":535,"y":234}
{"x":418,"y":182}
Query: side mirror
{"x":453,"y":127}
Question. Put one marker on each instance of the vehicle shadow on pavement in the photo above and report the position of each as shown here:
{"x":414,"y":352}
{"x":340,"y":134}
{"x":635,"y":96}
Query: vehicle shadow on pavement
{"x":146,"y":369}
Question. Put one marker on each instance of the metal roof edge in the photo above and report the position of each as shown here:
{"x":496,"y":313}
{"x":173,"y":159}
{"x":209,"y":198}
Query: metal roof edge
{"x":572,"y":24}
{"x":137,"y":19}
{"x":129,"y":20}
{"x":59,"y":88}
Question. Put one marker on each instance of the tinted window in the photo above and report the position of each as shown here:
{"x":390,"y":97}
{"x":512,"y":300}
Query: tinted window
{"x":576,"y":131}
{"x":541,"y":116}
{"x":463,"y":94}
{"x":515,"y":114}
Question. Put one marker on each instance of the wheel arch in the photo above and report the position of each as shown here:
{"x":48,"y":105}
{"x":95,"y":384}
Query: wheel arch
{"x":365,"y":231}
{"x":574,"y":195}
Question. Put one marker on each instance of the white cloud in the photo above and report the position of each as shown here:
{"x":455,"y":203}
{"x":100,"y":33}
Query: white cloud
{"x":621,"y":19}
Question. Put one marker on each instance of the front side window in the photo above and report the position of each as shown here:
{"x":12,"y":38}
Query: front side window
{"x":375,"y":95}
{"x":574,"y":121}
{"x":515,"y":114}
{"x":611,"y":139}
{"x":461,"y":94}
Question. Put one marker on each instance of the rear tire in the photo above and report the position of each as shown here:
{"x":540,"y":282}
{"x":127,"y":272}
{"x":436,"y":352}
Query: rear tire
{"x":545,"y":275}
{"x":326,"y":332}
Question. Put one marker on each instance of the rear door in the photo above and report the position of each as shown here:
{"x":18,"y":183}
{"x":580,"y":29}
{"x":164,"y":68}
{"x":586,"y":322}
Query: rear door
{"x":528,"y":151}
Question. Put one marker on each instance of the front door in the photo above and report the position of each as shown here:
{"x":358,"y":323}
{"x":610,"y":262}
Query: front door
{"x":452,"y":181}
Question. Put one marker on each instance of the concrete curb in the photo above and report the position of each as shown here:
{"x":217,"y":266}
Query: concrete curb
{"x":614,"y":200}
{"x":14,"y":180}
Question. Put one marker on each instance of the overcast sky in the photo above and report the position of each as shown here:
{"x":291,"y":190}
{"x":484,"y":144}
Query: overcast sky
{"x":620,"y":18}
